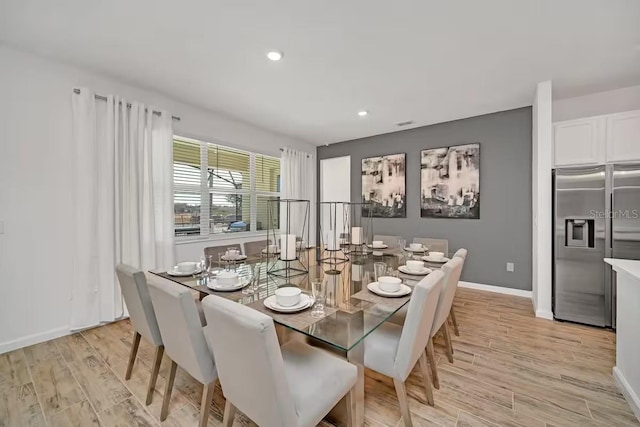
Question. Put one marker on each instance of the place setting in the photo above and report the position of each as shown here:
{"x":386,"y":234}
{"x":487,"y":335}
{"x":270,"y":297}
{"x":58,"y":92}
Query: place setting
{"x":414,"y":268}
{"x":288,"y":299}
{"x":233,"y":255}
{"x":185,"y":269}
{"x":416,"y":248}
{"x":435,"y":257}
{"x":228,"y":281}
{"x":377,"y":244}
{"x":390,"y":287}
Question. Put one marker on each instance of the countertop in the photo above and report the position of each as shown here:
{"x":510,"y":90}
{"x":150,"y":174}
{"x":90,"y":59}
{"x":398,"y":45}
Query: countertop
{"x":629,"y":266}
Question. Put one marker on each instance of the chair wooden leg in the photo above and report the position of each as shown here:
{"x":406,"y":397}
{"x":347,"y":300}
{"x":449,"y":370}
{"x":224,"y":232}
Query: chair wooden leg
{"x":351,"y":407}
{"x":401,"y":391}
{"x":207,"y":398}
{"x":447,"y":341}
{"x":167,"y":391}
{"x":432,"y":364}
{"x":454,"y":322}
{"x":229,"y":414}
{"x":132,"y":354}
{"x":424,"y":368}
{"x":157,"y":360}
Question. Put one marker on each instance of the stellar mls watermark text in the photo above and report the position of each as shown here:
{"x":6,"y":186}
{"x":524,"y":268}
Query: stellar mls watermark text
{"x":620,"y":213}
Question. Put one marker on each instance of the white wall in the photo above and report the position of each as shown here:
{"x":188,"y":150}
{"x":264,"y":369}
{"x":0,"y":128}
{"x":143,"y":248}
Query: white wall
{"x":542,"y":137}
{"x":595,"y":104}
{"x":335,"y":178}
{"x":35,"y":201}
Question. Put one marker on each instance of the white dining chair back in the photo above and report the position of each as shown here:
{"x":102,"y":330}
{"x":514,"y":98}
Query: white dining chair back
{"x":451,"y":270}
{"x":416,"y":330}
{"x":391,"y":241}
{"x":133,"y":285}
{"x":437,"y":245}
{"x":461,"y":253}
{"x":255,"y":382}
{"x":181,"y":328}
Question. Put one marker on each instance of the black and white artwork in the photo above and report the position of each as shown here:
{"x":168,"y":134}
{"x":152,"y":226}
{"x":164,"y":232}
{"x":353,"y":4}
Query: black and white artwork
{"x":450,"y":182}
{"x":383,"y":185}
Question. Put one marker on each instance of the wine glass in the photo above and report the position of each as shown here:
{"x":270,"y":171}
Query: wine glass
{"x":318,"y":292}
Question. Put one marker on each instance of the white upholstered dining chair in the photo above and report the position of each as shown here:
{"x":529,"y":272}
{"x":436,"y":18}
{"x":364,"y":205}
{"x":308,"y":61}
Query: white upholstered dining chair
{"x":451,"y":270}
{"x":294,"y":385}
{"x":184,"y":340}
{"x":394,"y":350}
{"x":462,"y":254}
{"x":133,"y":284}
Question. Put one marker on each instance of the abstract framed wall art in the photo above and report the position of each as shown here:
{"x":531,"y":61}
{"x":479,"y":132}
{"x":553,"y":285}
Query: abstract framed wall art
{"x":384,"y":186}
{"x":450,"y":182}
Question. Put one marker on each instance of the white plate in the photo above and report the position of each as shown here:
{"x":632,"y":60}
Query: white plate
{"x":422,"y":272}
{"x":378,"y":247}
{"x":403,"y":291}
{"x":239,"y":258}
{"x":424,"y":249}
{"x":176,"y":273}
{"x":242,"y":282}
{"x":305,"y":302}
{"x":437,"y":261}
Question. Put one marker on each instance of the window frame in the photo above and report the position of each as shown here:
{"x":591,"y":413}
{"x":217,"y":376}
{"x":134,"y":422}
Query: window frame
{"x":206,"y":191}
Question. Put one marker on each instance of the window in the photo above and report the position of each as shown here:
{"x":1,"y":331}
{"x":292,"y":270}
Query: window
{"x":221,"y":190}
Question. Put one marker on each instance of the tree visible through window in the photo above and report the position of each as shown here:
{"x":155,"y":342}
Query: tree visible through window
{"x":230,"y":196}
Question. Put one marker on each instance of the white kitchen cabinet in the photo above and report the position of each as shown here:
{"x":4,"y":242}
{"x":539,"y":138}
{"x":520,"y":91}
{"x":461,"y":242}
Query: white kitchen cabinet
{"x":623,"y":137}
{"x":579,"y":142}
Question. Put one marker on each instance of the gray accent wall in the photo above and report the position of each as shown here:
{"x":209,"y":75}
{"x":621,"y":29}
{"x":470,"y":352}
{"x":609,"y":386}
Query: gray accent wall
{"x":503,"y":232}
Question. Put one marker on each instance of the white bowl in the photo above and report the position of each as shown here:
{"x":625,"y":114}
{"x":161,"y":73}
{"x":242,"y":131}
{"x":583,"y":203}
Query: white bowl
{"x":377,"y":243}
{"x":389,"y":284}
{"x":288,"y":296}
{"x":415,"y":246}
{"x":413,"y":265}
{"x":187,"y":267}
{"x":436,"y":255}
{"x":272,"y":249}
{"x":227,"y":278}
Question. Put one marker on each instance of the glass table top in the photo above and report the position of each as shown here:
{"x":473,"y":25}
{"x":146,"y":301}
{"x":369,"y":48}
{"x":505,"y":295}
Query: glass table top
{"x":351,"y":311}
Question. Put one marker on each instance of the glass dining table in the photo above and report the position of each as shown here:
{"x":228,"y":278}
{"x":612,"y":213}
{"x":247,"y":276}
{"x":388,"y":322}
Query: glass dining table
{"x":351,"y":310}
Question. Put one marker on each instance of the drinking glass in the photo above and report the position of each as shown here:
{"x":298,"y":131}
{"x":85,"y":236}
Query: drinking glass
{"x":391,"y":272}
{"x":318,"y":292}
{"x":402,"y":243}
{"x":379,"y":268}
{"x":254,"y":278}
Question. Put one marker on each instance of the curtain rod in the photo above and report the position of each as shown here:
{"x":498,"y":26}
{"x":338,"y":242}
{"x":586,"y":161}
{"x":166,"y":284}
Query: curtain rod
{"x":307,"y":154}
{"x":104,"y":98}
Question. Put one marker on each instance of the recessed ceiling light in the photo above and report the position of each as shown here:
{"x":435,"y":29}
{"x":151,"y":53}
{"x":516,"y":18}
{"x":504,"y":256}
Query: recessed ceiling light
{"x":363,"y":113}
{"x":275,"y":55}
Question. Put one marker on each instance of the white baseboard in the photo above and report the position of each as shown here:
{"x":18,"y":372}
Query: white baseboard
{"x":632,"y":399}
{"x":8,"y":346}
{"x":544,"y":314}
{"x":496,"y":289}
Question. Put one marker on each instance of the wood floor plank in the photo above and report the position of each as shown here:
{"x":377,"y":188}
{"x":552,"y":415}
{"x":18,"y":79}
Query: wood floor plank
{"x":19,"y":406}
{"x":80,"y":414}
{"x":467,"y":420}
{"x":57,"y":388}
{"x":129,"y":412}
{"x":13,"y":369}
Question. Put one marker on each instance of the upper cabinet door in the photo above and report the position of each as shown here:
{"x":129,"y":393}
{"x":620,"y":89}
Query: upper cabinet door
{"x":579,"y":142}
{"x":623,"y":137}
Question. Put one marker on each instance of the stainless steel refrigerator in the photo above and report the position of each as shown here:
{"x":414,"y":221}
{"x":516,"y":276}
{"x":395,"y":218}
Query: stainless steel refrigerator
{"x":596,"y":214}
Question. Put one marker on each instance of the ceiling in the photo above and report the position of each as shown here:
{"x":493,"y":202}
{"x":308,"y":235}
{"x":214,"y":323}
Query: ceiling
{"x":425,"y":60}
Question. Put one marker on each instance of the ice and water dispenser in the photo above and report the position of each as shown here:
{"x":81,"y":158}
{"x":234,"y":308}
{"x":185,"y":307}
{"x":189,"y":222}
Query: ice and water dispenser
{"x":579,"y":233}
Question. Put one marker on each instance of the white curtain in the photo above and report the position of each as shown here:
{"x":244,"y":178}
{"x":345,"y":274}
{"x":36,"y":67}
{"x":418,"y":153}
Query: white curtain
{"x":123,"y":209}
{"x":297,"y":172}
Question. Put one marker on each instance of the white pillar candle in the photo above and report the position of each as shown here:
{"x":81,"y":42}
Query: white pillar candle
{"x":356,"y":235}
{"x":356,"y":272}
{"x":331,"y":243}
{"x":288,"y":247}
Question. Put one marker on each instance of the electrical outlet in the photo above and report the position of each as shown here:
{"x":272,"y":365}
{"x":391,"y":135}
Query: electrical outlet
{"x":510,"y":267}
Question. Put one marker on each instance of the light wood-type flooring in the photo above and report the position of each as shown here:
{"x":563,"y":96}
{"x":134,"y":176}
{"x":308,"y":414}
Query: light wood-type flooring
{"x":510,"y":369}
